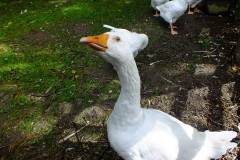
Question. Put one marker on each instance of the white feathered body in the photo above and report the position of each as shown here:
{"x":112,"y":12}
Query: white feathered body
{"x":155,"y":3}
{"x":193,"y":3}
{"x":172,"y":10}
{"x":159,"y":136}
{"x":136,"y":133}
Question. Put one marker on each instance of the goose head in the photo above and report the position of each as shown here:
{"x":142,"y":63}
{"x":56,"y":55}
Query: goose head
{"x":117,"y":45}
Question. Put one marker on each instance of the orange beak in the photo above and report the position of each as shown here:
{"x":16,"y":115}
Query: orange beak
{"x":98,"y":42}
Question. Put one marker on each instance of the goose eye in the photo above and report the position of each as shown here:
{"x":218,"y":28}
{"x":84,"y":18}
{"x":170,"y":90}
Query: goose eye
{"x":117,"y":39}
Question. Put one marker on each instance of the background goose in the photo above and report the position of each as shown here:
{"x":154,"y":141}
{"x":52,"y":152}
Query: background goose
{"x":171,"y":11}
{"x":192,"y":4}
{"x":148,"y":134}
{"x":155,"y":3}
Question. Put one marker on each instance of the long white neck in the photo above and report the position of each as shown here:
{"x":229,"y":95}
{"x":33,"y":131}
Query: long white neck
{"x":127,"y":109}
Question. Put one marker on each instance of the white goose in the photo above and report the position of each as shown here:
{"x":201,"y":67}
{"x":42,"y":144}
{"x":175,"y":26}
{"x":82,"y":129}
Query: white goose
{"x":192,"y":4}
{"x":171,"y":11}
{"x":137,"y":133}
{"x":155,"y":3}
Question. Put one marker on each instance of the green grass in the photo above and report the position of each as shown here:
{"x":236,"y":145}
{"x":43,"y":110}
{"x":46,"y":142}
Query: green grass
{"x":40,"y":54}
{"x":20,"y":113}
{"x":21,"y":17}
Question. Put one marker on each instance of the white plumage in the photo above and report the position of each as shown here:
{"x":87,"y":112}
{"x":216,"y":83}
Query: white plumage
{"x":155,"y":3}
{"x":172,"y":10}
{"x":193,"y":3}
{"x":148,"y":134}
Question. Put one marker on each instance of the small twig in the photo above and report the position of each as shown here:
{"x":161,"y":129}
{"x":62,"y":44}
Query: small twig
{"x":213,"y":51}
{"x":201,"y":51}
{"x":91,"y":141}
{"x":46,"y":93}
{"x":48,"y":90}
{"x":171,"y":82}
{"x":208,"y":52}
{"x":147,"y":91}
{"x":72,"y":134}
{"x":210,"y":56}
{"x":154,"y":63}
{"x":216,"y":44}
{"x":232,"y":42}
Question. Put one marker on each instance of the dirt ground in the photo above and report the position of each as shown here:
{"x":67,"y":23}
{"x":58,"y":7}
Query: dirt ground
{"x":190,"y":76}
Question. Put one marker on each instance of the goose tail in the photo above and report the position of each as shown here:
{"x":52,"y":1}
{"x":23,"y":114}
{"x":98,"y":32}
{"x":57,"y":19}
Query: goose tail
{"x":220,"y":142}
